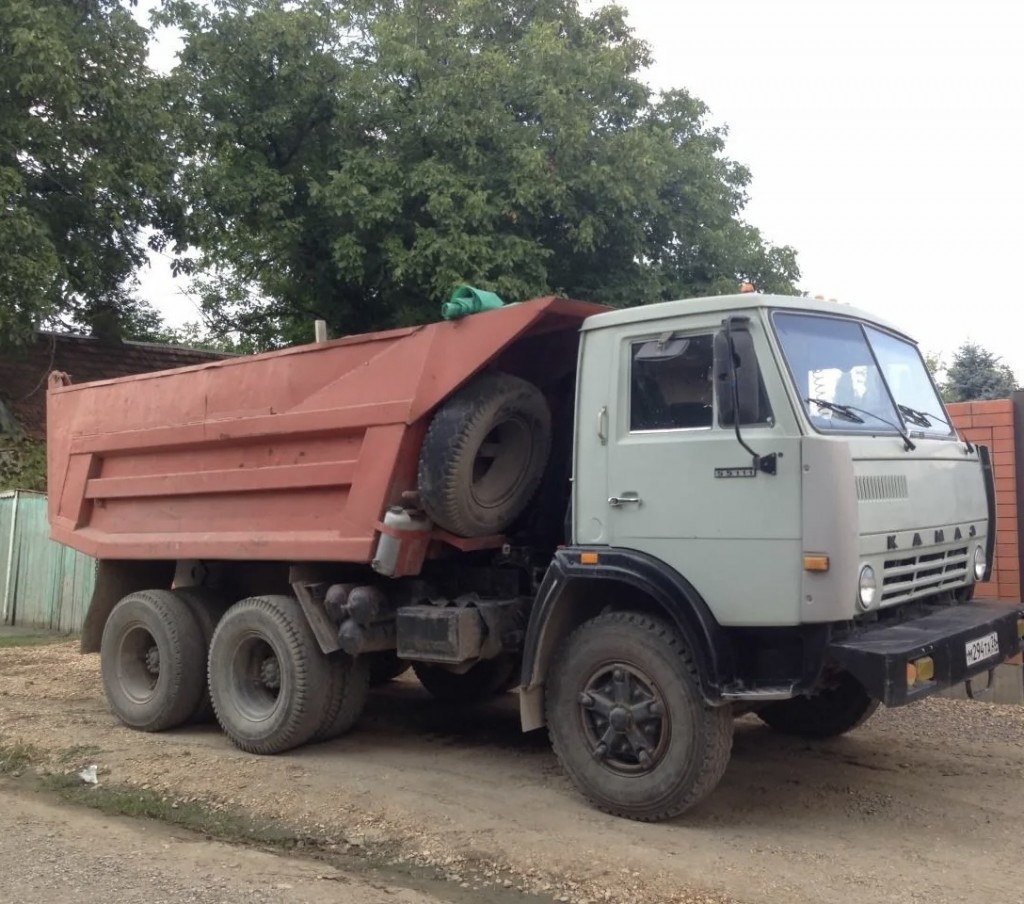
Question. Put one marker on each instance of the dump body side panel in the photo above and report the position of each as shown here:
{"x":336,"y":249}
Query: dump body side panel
{"x":291,"y":455}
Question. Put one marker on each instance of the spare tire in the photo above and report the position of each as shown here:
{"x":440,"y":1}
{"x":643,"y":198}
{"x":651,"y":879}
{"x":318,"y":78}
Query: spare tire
{"x":484,"y":455}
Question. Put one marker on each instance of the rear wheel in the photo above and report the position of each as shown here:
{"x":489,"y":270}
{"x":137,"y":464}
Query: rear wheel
{"x":627,"y":720}
{"x":152,"y":661}
{"x":840,"y":707}
{"x":270,"y":683}
{"x":207,"y":608}
{"x":349,"y":688}
{"x":484,"y":680}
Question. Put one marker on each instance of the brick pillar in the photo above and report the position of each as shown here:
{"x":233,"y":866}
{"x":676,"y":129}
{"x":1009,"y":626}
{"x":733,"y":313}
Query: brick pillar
{"x":993,"y":424}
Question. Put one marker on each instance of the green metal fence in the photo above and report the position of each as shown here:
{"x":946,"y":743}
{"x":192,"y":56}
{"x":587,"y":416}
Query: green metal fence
{"x":42,"y":584}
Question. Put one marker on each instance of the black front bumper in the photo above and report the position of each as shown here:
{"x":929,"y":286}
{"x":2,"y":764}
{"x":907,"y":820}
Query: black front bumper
{"x":877,"y":655}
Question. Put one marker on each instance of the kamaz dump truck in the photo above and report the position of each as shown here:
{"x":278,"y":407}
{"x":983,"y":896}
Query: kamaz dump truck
{"x":644,"y":521}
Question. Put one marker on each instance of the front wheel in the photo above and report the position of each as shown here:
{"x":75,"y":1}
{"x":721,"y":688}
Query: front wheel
{"x":483,"y":680}
{"x":627,"y":720}
{"x":841,"y":706}
{"x":385,"y":666}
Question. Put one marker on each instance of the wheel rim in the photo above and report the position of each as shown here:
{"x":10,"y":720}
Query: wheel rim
{"x":256,"y":678}
{"x":624,"y":719}
{"x":138,"y":664}
{"x":500,"y":463}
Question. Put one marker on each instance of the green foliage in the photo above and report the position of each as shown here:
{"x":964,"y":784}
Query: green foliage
{"x":976,"y":374}
{"x":933,"y":361}
{"x":196,"y":335}
{"x":22,"y":463}
{"x":354,"y":161}
{"x":29,"y":640}
{"x":83,"y":165}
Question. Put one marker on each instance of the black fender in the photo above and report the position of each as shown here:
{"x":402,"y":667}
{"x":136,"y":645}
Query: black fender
{"x":985,"y":459}
{"x":559,"y":608}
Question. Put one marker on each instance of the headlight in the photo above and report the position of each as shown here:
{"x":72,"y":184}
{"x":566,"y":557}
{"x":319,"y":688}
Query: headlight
{"x":980,"y":564}
{"x":867,"y":587}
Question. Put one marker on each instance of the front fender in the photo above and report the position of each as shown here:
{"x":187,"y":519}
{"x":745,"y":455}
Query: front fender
{"x":573,"y":592}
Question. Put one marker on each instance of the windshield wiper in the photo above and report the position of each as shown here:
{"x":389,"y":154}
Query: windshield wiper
{"x":921,"y":419}
{"x":844,"y":411}
{"x":850,"y":412}
{"x":915,"y":417}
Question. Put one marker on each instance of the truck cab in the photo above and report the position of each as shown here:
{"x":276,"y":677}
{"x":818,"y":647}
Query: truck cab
{"x":778,"y":481}
{"x":844,"y":492}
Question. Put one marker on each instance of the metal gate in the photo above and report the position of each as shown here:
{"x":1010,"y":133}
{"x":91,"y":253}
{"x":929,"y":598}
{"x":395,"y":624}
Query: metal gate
{"x":42,"y":583}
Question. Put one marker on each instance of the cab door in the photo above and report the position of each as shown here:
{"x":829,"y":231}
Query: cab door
{"x":682,"y":489}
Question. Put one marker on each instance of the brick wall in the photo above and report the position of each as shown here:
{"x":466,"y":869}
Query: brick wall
{"x":992,"y":424}
{"x":23,"y":371}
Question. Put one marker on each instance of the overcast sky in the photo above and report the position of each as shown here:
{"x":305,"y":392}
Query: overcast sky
{"x":885,"y":139}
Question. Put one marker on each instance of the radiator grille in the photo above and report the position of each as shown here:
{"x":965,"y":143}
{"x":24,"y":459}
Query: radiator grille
{"x":909,"y":577}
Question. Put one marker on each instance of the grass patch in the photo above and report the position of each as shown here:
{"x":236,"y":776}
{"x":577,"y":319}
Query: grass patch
{"x":77,"y":752}
{"x":222,"y":825}
{"x":15,"y":757}
{"x":31,"y":640}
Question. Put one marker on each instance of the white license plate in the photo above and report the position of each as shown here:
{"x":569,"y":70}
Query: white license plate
{"x":982,"y":648}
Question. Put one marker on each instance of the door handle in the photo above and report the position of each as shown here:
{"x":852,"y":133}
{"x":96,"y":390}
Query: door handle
{"x":625,"y":499}
{"x":602,"y":425}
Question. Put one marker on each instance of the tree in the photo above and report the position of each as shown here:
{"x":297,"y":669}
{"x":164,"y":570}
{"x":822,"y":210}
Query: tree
{"x":976,"y":374}
{"x":354,"y":161}
{"x":936,"y":366}
{"x":83,"y":166}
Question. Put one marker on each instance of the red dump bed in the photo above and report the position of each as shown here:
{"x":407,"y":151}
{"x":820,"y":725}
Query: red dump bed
{"x":289,"y":456}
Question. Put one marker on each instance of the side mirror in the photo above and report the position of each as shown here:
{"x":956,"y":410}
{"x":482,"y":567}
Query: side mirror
{"x":736,"y":366}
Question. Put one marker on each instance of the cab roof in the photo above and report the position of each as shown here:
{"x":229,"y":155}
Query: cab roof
{"x":725,"y":304}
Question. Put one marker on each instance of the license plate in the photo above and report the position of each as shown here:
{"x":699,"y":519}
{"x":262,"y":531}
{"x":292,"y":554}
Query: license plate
{"x":982,"y":648}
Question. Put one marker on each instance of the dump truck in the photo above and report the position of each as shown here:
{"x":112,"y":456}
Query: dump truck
{"x":644,"y":521}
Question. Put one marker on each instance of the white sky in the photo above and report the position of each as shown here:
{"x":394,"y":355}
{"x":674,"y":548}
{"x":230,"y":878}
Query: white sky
{"x":885,"y":139}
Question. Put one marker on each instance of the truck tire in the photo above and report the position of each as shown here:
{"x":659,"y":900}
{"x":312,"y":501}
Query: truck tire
{"x":829,"y":713}
{"x":152,"y":660}
{"x":385,"y":666}
{"x":484,"y":680}
{"x":484,"y":455}
{"x":269,"y":680}
{"x":207,"y":608}
{"x":349,"y":688}
{"x":628,"y":722}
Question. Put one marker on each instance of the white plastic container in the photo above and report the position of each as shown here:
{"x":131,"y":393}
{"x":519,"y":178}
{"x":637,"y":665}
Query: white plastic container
{"x":385,"y":561}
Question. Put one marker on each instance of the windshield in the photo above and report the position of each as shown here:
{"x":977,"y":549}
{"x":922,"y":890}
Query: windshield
{"x":909,"y":383}
{"x":844,"y":363}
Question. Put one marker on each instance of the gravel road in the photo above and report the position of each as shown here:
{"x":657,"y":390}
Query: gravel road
{"x":922,"y":804}
{"x":54,"y":854}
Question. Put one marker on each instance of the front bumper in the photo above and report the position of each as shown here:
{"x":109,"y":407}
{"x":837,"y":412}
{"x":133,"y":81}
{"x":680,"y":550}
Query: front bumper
{"x":877,"y":655}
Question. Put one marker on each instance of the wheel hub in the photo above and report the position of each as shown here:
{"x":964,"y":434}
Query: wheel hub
{"x":624,"y":719}
{"x":153,"y":660}
{"x":620,"y":718}
{"x":270,"y":673}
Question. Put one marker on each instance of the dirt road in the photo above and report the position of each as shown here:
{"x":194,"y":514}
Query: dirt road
{"x":54,"y":854}
{"x":923,"y":804}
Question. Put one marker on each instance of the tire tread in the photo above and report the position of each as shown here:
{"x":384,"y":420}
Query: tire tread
{"x":446,"y":449}
{"x":186,"y":676}
{"x":718,"y":721}
{"x":312,"y":677}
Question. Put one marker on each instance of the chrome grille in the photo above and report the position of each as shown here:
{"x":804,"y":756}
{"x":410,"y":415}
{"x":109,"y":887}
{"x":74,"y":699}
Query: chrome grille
{"x":909,"y":577}
{"x":881,"y":487}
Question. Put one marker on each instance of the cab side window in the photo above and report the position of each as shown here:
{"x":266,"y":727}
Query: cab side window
{"x":670,"y":384}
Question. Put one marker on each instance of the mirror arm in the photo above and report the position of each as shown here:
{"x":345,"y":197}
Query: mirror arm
{"x":766,"y":464}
